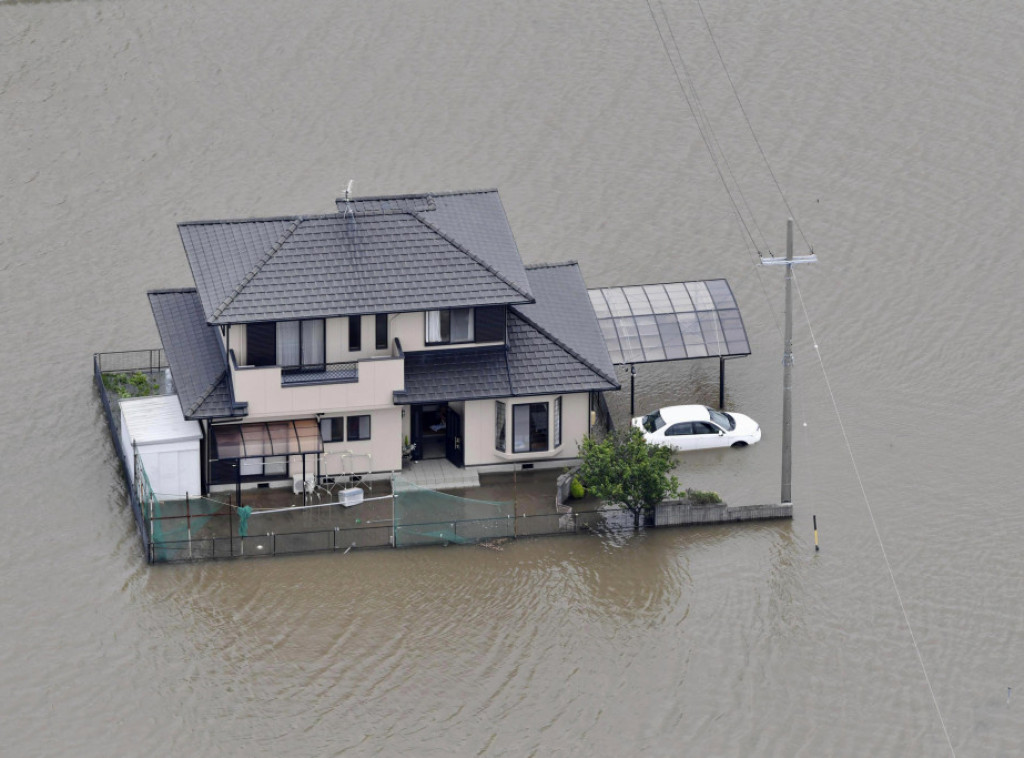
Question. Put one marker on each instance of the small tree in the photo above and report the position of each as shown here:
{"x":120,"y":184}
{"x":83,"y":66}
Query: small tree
{"x":625,"y":469}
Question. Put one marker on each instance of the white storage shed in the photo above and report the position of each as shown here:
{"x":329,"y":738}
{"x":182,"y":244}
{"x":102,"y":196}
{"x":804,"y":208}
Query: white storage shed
{"x":167,"y":442}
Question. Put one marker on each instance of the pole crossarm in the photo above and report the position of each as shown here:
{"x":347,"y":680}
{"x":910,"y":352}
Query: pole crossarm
{"x":812,"y":258}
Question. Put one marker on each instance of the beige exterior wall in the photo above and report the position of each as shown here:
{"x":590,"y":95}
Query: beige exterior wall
{"x":382,"y":452}
{"x":336,"y":344}
{"x":478,"y":422}
{"x":411,"y":330}
{"x":261,"y":389}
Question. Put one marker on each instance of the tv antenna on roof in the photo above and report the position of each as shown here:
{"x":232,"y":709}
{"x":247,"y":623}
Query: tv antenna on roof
{"x":348,"y":198}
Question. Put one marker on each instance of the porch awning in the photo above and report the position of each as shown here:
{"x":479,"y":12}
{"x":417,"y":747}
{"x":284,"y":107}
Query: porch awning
{"x":266,"y":439}
{"x":670,"y":322}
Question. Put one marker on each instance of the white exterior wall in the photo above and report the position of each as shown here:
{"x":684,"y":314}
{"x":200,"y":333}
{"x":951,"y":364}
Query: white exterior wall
{"x":478,"y":429}
{"x":168,"y":444}
{"x":173,"y":469}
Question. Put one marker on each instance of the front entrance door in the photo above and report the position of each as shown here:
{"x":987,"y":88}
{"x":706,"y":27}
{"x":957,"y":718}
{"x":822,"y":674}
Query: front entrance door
{"x":453,"y":438}
{"x":429,"y":431}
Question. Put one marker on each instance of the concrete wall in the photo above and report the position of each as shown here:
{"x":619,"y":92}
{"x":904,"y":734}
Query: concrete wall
{"x":678,"y":513}
{"x":479,"y":422}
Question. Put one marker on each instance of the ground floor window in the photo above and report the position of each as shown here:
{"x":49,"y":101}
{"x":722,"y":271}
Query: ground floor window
{"x":499,"y":425}
{"x":529,"y":427}
{"x":358,"y":428}
{"x":334,"y":429}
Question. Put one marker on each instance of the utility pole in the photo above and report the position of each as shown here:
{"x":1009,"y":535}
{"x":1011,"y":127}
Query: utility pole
{"x":787,"y":362}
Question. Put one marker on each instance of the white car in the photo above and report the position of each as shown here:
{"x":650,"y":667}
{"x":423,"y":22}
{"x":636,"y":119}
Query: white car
{"x":697,"y":427}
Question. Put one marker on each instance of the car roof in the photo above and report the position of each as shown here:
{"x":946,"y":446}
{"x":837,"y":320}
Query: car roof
{"x":673,"y":414}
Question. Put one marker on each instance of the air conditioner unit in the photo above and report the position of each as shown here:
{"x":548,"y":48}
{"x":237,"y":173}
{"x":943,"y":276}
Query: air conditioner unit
{"x":350,"y":497}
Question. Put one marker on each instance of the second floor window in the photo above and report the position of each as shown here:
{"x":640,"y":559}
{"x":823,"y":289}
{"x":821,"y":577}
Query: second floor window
{"x":300,"y":343}
{"x":285,"y":343}
{"x":447,"y":326}
{"x":355,"y":334}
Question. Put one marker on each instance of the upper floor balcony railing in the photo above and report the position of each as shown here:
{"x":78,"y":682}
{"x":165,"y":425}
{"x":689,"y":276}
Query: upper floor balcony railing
{"x":325,"y":373}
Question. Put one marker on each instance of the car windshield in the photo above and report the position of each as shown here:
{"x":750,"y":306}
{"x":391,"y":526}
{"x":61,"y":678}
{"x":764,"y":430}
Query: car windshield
{"x":653,"y":421}
{"x":724,"y":420}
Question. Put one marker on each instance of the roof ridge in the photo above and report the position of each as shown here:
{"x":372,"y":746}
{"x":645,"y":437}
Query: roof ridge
{"x":172,"y":291}
{"x":209,"y":391}
{"x":472,"y":256}
{"x":564,"y":347}
{"x":412,"y":195}
{"x":257,"y":268}
{"x":252,"y":219}
{"x":561,"y":264}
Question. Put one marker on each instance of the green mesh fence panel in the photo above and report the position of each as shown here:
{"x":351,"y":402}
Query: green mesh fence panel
{"x":173,"y":521}
{"x":178,"y":522}
{"x":428,"y":517}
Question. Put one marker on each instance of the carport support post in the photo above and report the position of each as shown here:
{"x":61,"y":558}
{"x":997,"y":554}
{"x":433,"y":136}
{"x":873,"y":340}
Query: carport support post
{"x":721,"y":382}
{"x":787,"y":376}
{"x":632,"y":390}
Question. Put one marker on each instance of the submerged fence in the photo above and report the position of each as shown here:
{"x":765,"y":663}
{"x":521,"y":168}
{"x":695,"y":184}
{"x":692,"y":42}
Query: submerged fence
{"x":147,"y":362}
{"x":178,"y":528}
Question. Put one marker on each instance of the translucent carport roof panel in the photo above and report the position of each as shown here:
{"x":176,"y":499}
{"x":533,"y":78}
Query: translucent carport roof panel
{"x":260,"y":440}
{"x":670,"y":322}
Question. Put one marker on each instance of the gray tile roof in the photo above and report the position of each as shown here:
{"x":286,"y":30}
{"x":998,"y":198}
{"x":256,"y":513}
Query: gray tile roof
{"x":379,"y":255}
{"x":196,"y":354}
{"x":538,"y":365}
{"x":564,"y":313}
{"x":557,"y":349}
{"x":459,"y":374}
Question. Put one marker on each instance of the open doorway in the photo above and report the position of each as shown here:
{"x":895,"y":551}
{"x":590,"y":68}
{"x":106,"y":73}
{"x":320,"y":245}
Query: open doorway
{"x":436,"y":430}
{"x":429,"y":429}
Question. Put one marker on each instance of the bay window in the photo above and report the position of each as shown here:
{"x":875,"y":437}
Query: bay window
{"x":558,"y":421}
{"x":529,"y":427}
{"x":499,"y":425}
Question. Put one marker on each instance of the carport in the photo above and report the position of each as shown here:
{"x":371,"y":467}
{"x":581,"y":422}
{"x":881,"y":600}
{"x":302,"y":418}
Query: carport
{"x":678,"y":321}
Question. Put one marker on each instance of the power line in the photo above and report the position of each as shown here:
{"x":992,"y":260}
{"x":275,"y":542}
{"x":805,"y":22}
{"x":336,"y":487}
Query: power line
{"x":751,"y":127}
{"x":742,"y":223}
{"x":700,"y":128}
{"x":707,"y":121}
{"x":871,"y":516}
